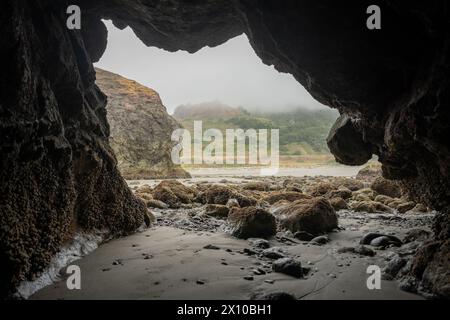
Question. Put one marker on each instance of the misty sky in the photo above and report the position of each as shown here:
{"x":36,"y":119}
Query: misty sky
{"x":231,"y":73}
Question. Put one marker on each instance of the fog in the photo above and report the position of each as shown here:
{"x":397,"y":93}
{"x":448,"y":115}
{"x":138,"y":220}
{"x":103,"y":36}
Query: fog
{"x":231,"y":73}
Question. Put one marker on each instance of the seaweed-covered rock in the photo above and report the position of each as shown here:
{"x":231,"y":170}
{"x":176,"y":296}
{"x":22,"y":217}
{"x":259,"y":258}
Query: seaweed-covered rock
{"x":217,"y":211}
{"x":251,"y":222}
{"x":217,"y":194}
{"x":370,"y":207}
{"x":288,"y":195}
{"x":386,"y":187}
{"x":338,"y":203}
{"x":174,"y":193}
{"x":315,"y":216}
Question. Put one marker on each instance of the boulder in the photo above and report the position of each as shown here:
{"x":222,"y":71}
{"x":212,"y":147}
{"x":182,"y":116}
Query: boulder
{"x":231,"y":203}
{"x":259,"y":243}
{"x":140,"y":128}
{"x":383,"y":241}
{"x":342,"y":192}
{"x":153,"y":203}
{"x":294,"y":187}
{"x":315,"y":216}
{"x":370,"y":172}
{"x":145,"y":196}
{"x":367,"y":192}
{"x":166,"y":195}
{"x":349,"y":183}
{"x":303,"y":236}
{"x":368,"y":239}
{"x":221,"y":194}
{"x":278,"y":205}
{"x":406,"y":206}
{"x":145,"y":188}
{"x":320,"y":240}
{"x":257,"y":186}
{"x":370,"y":207}
{"x":395,"y":203}
{"x":289,"y":196}
{"x":173,"y":193}
{"x":386,"y":187}
{"x":321,"y":189}
{"x":361,"y":197}
{"x":346,"y":143}
{"x":251,"y":222}
{"x":393,"y":267}
{"x":217,"y":211}
{"x":289,"y":266}
{"x":273,"y":253}
{"x":383,"y":199}
{"x":338,"y":204}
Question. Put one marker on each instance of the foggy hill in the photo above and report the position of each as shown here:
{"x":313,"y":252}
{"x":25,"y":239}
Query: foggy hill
{"x":302,"y":131}
{"x":205,"y":110}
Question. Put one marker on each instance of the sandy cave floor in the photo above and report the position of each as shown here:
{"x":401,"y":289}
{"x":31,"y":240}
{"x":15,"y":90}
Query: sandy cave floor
{"x":169,"y":261}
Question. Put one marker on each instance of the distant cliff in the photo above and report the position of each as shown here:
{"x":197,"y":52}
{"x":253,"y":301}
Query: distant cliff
{"x":140,"y":128}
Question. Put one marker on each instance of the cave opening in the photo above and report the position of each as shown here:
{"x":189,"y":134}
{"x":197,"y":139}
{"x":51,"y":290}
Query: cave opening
{"x":213,"y":94}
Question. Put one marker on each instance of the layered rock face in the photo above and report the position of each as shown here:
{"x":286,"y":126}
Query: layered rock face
{"x":58,"y":172}
{"x":140,"y":129}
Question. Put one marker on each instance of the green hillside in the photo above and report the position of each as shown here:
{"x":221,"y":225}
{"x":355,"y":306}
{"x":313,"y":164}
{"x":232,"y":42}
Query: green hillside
{"x":302,"y":132}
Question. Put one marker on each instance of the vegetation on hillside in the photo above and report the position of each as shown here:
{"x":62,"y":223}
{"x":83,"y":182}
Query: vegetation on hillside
{"x":302,"y":132}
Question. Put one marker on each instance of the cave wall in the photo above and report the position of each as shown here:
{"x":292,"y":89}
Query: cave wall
{"x":58,"y":173}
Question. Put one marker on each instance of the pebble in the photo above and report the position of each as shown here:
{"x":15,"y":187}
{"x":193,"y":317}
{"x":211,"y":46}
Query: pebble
{"x":303,"y":236}
{"x":273,"y":253}
{"x":320,"y":240}
{"x":364,"y":251}
{"x":211,"y":247}
{"x":117,"y":262}
{"x":250,"y":252}
{"x":249,"y":278}
{"x":259,"y":272}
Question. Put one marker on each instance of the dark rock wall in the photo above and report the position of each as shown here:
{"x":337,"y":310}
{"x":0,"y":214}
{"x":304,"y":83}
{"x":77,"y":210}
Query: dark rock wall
{"x":58,"y":171}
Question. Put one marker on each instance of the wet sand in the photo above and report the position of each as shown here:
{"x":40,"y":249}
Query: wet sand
{"x":172,"y":263}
